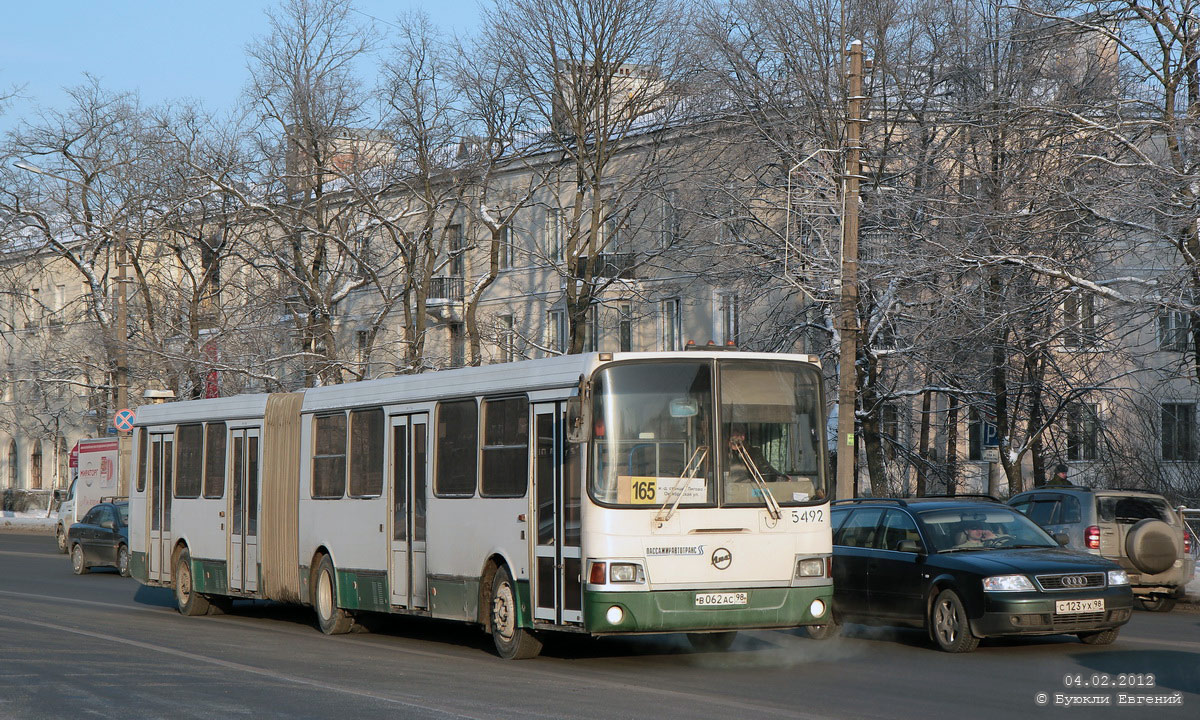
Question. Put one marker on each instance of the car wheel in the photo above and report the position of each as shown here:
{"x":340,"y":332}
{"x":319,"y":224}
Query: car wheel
{"x":712,"y":642}
{"x":62,"y":539}
{"x":1157,"y":603}
{"x":188,"y":601}
{"x":1101,"y":637}
{"x":123,"y":560}
{"x":823,"y":632}
{"x":78,"y":565}
{"x":512,"y":641}
{"x":949,"y":626}
{"x":330,"y":618}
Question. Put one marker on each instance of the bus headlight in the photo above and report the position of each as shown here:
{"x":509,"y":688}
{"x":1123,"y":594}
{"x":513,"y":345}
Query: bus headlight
{"x":615,"y":615}
{"x":807,"y":567}
{"x":626,"y":573}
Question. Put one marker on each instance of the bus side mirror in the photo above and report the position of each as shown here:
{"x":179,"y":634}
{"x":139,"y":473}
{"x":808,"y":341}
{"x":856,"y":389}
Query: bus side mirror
{"x":577,"y":422}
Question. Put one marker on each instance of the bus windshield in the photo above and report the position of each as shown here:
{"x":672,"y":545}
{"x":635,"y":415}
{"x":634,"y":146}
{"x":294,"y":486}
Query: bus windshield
{"x":654,"y":426}
{"x":770,"y":428}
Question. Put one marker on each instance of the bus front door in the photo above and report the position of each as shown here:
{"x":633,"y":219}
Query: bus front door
{"x":243,"y":509}
{"x":158,"y":554}
{"x":406,"y":486}
{"x":558,"y":567}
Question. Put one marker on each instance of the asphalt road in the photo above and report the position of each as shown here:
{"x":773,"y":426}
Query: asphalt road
{"x":104,"y":646}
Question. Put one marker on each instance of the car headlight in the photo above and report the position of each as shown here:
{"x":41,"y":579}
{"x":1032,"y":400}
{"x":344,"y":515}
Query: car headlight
{"x":1118,"y":577}
{"x":809,"y":567}
{"x":626,"y":573}
{"x":1007,"y":583}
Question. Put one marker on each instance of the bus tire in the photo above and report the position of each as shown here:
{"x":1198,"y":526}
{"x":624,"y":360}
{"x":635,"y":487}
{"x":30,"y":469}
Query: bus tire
{"x":713,"y":641}
{"x":330,"y":618}
{"x":825,"y":631}
{"x":79,"y":565}
{"x":512,"y":641}
{"x":189,"y":602}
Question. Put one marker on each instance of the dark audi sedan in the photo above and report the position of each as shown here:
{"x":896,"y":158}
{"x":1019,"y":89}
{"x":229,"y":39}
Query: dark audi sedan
{"x":967,"y":569}
{"x":101,"y":538}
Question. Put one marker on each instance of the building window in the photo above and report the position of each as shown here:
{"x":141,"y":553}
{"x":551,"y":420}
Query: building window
{"x":728,"y":329}
{"x":669,"y":232}
{"x":671,"y":324}
{"x":975,"y":435}
{"x":13,"y":461}
{"x":1174,"y":331}
{"x":553,"y":233}
{"x":505,"y":251}
{"x":591,"y":330}
{"x":454,"y":241}
{"x":508,"y":339}
{"x":1079,"y":320}
{"x":1083,"y":431}
{"x":556,"y":331}
{"x":625,"y":327}
{"x":35,"y":466}
{"x":458,"y":344}
{"x":1179,"y":431}
{"x":889,"y":428}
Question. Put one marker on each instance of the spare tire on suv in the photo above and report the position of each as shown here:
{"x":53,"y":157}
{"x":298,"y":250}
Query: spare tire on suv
{"x":1150,"y":546}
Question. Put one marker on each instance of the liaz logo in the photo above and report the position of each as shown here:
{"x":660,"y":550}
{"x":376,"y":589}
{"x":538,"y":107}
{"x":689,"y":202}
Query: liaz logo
{"x":722,"y":558}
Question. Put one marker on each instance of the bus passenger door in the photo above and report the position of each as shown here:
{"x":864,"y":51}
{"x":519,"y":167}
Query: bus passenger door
{"x":243,"y":509}
{"x":406,"y":487}
{"x":158,"y":553}
{"x":557,"y":567}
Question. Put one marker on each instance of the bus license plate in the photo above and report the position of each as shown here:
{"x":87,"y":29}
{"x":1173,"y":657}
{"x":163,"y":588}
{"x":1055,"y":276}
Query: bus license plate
{"x":1070,"y":607}
{"x":722,"y":599}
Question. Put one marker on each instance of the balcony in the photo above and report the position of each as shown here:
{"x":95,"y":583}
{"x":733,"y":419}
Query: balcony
{"x":610,"y":265}
{"x":445,"y":290}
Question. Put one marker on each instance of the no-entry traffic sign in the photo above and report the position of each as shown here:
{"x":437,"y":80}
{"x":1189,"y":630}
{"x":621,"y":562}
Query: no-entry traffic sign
{"x":123,"y":420}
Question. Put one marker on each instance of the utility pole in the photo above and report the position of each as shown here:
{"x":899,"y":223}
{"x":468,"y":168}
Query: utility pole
{"x":122,"y":327}
{"x":848,"y":314}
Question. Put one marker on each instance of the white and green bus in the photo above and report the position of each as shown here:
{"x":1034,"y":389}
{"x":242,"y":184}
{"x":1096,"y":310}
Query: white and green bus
{"x":605,"y":493}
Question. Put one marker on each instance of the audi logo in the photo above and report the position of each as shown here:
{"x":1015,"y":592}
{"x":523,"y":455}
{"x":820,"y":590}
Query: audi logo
{"x":1074,"y":581}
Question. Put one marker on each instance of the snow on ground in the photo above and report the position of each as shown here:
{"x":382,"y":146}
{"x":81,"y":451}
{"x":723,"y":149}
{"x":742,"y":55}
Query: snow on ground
{"x":32,"y":521}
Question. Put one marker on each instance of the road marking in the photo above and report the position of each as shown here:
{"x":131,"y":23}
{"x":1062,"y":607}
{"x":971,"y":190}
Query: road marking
{"x":235,"y":666}
{"x":34,"y":554}
{"x":570,"y":677}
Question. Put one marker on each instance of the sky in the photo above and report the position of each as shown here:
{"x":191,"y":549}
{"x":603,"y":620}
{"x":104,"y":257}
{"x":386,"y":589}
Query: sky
{"x":163,"y":49}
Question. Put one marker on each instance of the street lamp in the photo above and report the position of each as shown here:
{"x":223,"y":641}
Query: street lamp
{"x":787,"y":214}
{"x":122,"y":322}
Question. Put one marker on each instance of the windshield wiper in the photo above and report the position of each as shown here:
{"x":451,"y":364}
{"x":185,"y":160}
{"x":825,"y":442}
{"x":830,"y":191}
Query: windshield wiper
{"x":690,"y":471}
{"x":773,"y":508}
{"x":967,"y":549}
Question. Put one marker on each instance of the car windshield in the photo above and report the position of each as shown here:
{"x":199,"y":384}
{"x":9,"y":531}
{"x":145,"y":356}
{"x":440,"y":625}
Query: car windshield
{"x":123,"y":511}
{"x":972,"y":528}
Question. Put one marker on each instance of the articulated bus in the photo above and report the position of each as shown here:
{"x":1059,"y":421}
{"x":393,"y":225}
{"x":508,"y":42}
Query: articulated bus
{"x":604,"y":493}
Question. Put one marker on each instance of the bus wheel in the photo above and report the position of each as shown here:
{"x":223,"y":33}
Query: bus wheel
{"x":712,"y":642}
{"x":826,"y":631}
{"x":188,"y":601}
{"x":330,"y":618}
{"x":512,"y":641}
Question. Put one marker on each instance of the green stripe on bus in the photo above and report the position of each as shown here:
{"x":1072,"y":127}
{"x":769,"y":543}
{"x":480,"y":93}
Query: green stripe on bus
{"x":676,"y":611}
{"x":363,"y":590}
{"x":138,"y":568}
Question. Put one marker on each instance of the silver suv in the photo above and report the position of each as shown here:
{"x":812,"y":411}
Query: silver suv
{"x":1138,"y":530}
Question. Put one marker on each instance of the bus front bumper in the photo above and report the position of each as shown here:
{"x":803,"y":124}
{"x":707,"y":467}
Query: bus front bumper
{"x":679,"y":611}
